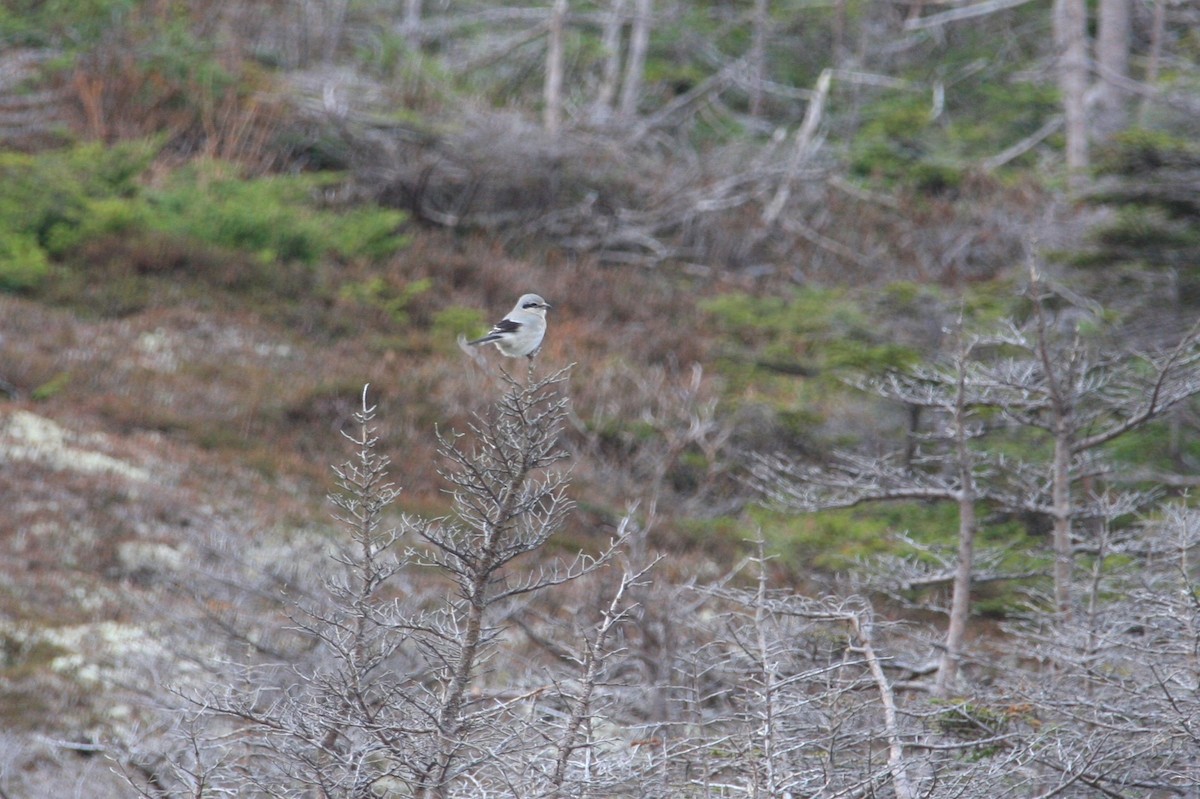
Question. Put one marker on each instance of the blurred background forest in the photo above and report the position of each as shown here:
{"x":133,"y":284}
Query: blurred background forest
{"x":890,"y":301}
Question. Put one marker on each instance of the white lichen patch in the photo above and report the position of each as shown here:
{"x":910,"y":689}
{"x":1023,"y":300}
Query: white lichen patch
{"x":158,"y":351}
{"x":94,"y":654}
{"x":149,"y":556}
{"x":25,"y":436}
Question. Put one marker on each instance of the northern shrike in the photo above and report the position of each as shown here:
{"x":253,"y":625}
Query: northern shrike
{"x":521,"y":331}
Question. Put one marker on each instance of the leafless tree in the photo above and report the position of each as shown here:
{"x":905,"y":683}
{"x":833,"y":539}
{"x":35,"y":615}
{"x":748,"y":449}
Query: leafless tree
{"x":655,"y":437}
{"x":1045,"y":375}
{"x":390,"y":681}
{"x":1083,"y":392}
{"x":943,"y":463}
{"x":398,"y":672}
{"x":1117,"y":712}
{"x":808,"y":701}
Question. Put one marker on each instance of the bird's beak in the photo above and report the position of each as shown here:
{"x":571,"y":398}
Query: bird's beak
{"x":547,"y":305}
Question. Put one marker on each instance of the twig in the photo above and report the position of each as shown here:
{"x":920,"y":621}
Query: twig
{"x":826,"y":243}
{"x":1052,"y":126}
{"x":957,"y":14}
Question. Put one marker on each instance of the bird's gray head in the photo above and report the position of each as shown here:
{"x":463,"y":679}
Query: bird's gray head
{"x":534,"y":303}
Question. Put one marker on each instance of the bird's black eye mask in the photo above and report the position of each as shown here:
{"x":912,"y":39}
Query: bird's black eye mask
{"x":531,"y":305}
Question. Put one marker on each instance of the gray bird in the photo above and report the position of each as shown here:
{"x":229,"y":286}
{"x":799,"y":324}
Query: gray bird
{"x":521,"y":331}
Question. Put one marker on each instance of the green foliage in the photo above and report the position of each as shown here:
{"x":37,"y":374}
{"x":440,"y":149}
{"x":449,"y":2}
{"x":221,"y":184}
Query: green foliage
{"x":275,"y":218}
{"x":49,"y":202}
{"x":84,"y":209}
{"x":60,"y":23}
{"x":1145,"y":235}
{"x":23,"y":264}
{"x":52,"y":387}
{"x":454,"y":321}
{"x":901,"y":143}
{"x":1140,"y":151}
{"x":364,"y":232}
{"x":723,"y":537}
{"x":814,"y":329}
{"x":831,"y":540}
{"x":101,"y":217}
{"x":841,"y":539}
{"x":622,"y":437}
{"x":986,"y":116}
{"x":786,"y":357}
{"x":1148,"y":179}
{"x":989,"y":304}
{"x":967,"y":720}
{"x":1160,"y":445}
{"x":893,"y":139}
{"x":176,"y":56}
{"x":376,"y":292}
{"x":48,"y":194}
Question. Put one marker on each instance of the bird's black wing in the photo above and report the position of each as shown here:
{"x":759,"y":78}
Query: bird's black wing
{"x":506,"y":326}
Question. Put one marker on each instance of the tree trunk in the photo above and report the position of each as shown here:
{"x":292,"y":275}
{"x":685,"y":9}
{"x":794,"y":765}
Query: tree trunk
{"x":1155,"y":56}
{"x":1112,"y":61}
{"x":1070,"y":39}
{"x":838,"y":50}
{"x":901,"y":784}
{"x":758,"y":54}
{"x":411,"y":26}
{"x":960,"y":599}
{"x":552,"y":113}
{"x":335,"y":25}
{"x":912,"y":436}
{"x":610,"y":42}
{"x":1064,"y":557}
{"x":635,"y":64}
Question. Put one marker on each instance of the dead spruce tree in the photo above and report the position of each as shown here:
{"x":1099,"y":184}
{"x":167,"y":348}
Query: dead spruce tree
{"x":402,"y":677}
{"x":797,"y":701}
{"x":1117,"y":714}
{"x":943,"y":462}
{"x":1077,"y":392}
{"x":1082,"y":391}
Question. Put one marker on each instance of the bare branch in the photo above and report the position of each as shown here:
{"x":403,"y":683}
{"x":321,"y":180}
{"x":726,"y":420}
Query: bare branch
{"x":961,"y":13}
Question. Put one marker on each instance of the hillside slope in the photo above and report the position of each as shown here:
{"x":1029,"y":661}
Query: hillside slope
{"x":220,"y":222}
